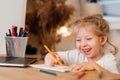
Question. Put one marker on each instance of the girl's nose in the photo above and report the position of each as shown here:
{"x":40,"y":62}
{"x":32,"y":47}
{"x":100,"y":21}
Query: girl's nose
{"x":83,"y":43}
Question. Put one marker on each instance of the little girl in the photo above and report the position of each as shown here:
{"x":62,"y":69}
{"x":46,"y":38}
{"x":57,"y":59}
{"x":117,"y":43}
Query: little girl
{"x":91,"y":34}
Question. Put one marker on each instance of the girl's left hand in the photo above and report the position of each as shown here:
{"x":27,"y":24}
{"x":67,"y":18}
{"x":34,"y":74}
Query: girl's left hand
{"x":82,"y":67}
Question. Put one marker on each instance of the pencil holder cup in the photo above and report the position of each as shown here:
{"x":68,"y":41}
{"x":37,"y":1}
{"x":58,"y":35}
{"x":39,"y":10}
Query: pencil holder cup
{"x":16,"y":46}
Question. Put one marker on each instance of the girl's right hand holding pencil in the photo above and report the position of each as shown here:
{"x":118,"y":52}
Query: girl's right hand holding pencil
{"x":51,"y":60}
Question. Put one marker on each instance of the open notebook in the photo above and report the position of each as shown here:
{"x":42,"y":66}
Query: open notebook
{"x":54,"y":68}
{"x":16,"y":61}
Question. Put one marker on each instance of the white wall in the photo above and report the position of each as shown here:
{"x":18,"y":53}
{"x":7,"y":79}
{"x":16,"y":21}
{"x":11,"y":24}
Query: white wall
{"x":12,"y":12}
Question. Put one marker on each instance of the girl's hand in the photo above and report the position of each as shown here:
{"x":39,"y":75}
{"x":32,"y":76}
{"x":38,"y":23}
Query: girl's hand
{"x":82,"y":67}
{"x":107,"y":75}
{"x":50,"y":60}
{"x":85,"y":66}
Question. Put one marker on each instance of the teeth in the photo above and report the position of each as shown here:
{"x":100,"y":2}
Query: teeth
{"x":86,"y":50}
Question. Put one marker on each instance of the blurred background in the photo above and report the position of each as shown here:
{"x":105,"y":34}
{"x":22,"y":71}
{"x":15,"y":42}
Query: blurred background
{"x":48,"y":21}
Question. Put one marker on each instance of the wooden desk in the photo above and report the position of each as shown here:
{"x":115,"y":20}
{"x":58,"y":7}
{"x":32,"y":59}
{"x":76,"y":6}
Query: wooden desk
{"x":29,"y":73}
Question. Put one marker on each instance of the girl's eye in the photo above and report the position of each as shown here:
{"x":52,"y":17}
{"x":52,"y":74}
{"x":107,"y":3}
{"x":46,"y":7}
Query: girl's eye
{"x":78,"y":40}
{"x":89,"y":38}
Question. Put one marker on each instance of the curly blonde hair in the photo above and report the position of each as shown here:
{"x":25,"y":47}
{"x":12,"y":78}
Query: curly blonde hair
{"x":100,"y":26}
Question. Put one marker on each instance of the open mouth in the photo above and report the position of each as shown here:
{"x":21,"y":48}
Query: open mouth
{"x":86,"y":51}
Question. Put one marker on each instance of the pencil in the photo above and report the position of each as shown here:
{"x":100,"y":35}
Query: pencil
{"x":48,"y":72}
{"x":99,"y":74}
{"x":98,"y":70}
{"x":54,"y":55}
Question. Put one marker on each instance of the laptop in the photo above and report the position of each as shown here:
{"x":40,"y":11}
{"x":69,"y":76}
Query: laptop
{"x":16,"y":61}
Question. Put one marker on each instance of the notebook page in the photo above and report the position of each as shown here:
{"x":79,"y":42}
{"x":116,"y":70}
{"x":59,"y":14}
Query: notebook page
{"x":54,"y":68}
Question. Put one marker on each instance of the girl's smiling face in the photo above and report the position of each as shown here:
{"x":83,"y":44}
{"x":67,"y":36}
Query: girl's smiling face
{"x":90,"y":43}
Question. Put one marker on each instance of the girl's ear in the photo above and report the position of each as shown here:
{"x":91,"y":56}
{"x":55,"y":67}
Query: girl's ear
{"x":103,"y":39}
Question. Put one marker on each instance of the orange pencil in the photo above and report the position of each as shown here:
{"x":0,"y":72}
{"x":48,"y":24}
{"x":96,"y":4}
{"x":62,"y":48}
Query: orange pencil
{"x":54,"y":55}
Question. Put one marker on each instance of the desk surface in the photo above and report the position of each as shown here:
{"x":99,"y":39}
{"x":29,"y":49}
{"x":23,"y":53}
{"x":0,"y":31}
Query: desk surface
{"x":29,"y":73}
